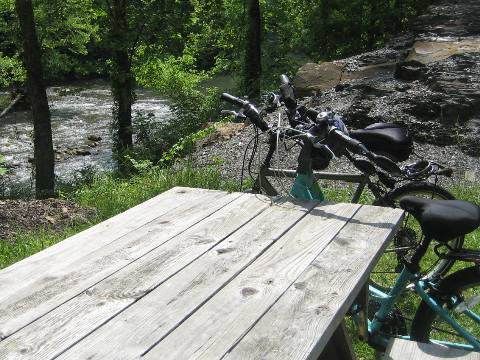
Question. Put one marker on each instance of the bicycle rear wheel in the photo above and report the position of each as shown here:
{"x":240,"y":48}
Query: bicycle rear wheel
{"x":409,"y":236}
{"x":456,"y":290}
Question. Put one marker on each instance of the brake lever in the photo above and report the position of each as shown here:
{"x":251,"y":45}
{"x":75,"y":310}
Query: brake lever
{"x":273,"y":102}
{"x":316,"y":142}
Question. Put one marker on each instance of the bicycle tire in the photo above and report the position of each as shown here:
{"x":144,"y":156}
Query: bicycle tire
{"x":426,"y":324}
{"x":422,"y":189}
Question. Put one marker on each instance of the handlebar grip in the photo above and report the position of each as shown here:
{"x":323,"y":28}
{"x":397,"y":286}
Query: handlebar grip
{"x":233,"y":100}
{"x":249,"y":110}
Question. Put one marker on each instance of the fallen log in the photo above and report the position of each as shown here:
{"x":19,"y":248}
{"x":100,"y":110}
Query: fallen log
{"x":12,"y":104}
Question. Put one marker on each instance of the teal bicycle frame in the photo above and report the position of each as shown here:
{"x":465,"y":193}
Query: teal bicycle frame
{"x":387,"y":302}
{"x":305,"y":187}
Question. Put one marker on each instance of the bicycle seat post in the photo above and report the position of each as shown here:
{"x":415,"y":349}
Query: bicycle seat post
{"x":414,"y":263}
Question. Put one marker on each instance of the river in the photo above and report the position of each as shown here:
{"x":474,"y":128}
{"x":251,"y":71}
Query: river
{"x":78,"y":111}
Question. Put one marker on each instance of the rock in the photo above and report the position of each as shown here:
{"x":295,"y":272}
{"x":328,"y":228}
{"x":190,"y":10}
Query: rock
{"x":94,"y":138}
{"x":92,"y":144}
{"x":50,"y":219}
{"x":313,"y":78}
{"x":428,"y":52}
{"x":60,"y":157}
{"x":454,"y":112}
{"x":424,"y":109}
{"x":449,"y":19}
{"x":31,"y":159}
{"x":222,"y":133}
{"x":402,"y":87}
{"x":409,"y":70}
{"x":82,"y":152}
{"x":369,"y":71}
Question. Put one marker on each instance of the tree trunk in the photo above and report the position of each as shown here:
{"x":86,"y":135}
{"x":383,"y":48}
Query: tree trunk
{"x":253,"y":61}
{"x":398,"y":16}
{"x":122,"y":79}
{"x":43,"y":146}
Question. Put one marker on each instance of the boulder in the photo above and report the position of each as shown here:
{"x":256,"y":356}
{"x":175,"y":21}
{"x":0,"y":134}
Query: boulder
{"x":82,"y":152}
{"x":313,"y":78}
{"x":94,"y":138}
{"x":409,"y":70}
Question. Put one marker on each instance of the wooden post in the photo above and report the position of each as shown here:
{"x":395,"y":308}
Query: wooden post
{"x":339,"y":347}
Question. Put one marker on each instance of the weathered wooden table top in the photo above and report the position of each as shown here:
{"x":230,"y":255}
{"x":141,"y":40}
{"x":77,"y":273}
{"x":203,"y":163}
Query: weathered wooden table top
{"x":195,"y":274}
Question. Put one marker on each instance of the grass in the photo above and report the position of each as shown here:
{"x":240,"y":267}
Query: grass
{"x":28,"y":243}
{"x":111,"y":195}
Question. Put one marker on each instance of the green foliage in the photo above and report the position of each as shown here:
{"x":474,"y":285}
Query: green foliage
{"x":28,"y":243}
{"x":11,"y":70}
{"x":210,"y":32}
{"x":2,"y":162}
{"x":192,"y":105}
{"x":66,"y":28}
{"x":185,"y":145}
{"x":110,"y":195}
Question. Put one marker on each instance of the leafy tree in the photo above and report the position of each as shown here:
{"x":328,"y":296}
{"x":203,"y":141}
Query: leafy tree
{"x":67,"y":30}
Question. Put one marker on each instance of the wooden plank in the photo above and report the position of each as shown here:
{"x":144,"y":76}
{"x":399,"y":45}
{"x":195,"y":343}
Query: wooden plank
{"x":399,"y":349}
{"x":105,"y":232}
{"x":299,"y":325}
{"x":130,"y":333}
{"x":102,"y":301}
{"x":71,"y":273}
{"x":211,"y":331}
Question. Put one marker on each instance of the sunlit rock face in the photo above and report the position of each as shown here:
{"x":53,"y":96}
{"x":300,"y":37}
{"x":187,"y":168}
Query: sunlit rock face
{"x":428,"y":80}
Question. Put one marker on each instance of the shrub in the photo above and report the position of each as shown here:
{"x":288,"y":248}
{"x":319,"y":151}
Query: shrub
{"x":192,"y":105}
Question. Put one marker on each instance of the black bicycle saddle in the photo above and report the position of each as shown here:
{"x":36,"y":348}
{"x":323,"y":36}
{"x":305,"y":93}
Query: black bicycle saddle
{"x":443,"y":220}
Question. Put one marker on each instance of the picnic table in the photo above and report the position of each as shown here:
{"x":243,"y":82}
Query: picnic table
{"x":196,"y":274}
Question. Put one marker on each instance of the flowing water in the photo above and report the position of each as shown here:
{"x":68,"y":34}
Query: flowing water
{"x":79,"y":111}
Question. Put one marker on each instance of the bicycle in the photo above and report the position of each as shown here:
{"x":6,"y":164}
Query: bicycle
{"x":450,"y":307}
{"x":315,"y":133}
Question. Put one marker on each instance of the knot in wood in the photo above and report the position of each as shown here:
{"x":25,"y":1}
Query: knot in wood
{"x":249,"y":291}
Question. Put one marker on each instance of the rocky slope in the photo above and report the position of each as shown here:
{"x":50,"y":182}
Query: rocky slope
{"x":428,"y":80}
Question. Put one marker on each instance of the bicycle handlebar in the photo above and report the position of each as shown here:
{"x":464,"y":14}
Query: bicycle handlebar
{"x":248,"y":109}
{"x":355,"y":146}
{"x":233,"y":100}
